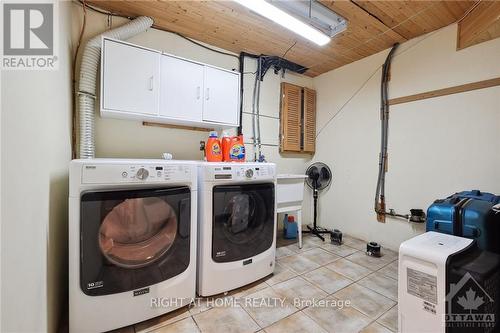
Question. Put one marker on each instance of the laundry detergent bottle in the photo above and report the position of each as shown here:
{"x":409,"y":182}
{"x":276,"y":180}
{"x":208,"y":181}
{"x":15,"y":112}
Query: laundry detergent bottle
{"x":213,"y":150}
{"x":233,"y":149}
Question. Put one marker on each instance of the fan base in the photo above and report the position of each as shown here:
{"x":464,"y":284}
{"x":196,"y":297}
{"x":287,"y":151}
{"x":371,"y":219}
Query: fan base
{"x":317,"y":231}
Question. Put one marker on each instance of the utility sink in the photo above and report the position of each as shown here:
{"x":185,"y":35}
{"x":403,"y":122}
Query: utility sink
{"x":290,"y":190}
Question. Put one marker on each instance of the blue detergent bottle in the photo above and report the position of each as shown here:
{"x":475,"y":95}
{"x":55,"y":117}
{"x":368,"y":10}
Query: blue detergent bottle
{"x":290,"y":227}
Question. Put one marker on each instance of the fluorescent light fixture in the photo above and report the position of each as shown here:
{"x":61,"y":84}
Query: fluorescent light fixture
{"x":315,"y":14}
{"x":286,"y":20}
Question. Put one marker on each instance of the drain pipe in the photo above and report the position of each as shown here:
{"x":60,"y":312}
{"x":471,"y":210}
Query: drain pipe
{"x":88,"y":78}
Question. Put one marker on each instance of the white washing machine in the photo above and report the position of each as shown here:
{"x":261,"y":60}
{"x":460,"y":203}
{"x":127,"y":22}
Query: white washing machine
{"x":132,"y":240}
{"x":236,"y":224}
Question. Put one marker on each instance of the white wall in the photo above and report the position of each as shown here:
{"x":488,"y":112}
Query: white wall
{"x":35,"y":139}
{"x":125,"y":138}
{"x":436,"y":146}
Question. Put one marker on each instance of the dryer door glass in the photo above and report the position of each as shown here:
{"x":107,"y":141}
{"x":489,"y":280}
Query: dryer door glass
{"x":133,"y":239}
{"x":243,"y":221}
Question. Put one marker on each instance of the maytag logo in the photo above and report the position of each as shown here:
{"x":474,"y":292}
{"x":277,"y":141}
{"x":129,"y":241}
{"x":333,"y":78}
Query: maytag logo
{"x":29,"y":35}
{"x":142,"y":291}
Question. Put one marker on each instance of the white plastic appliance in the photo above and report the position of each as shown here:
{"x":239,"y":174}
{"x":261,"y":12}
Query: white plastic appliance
{"x":237,"y":225}
{"x":132,"y":240}
{"x":422,"y":280}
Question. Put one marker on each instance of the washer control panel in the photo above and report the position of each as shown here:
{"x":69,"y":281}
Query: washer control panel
{"x":128,"y":173}
{"x":241,"y":172}
{"x":249,"y":173}
{"x":142,"y":174}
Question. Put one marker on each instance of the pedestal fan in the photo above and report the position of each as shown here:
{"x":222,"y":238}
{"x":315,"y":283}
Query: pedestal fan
{"x":319,"y":178}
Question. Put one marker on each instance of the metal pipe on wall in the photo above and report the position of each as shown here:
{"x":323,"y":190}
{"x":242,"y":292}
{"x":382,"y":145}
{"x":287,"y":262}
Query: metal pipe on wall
{"x":380,"y":208}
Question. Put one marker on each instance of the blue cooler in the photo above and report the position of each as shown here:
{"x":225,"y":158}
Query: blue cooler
{"x":470,"y":214}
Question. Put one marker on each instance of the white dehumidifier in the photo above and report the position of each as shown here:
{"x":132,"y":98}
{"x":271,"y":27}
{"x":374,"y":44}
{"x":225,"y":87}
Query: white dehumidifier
{"x":446,"y":284}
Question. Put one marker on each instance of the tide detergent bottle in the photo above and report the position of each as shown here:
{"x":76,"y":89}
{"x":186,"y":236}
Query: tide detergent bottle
{"x":233,"y":148}
{"x":213,"y":150}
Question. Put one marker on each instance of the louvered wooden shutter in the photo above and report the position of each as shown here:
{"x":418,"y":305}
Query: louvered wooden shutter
{"x":309,"y":143}
{"x":291,"y":106}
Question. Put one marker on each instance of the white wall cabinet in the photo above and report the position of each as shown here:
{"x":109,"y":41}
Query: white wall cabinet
{"x":130,"y":79}
{"x":143,"y":84}
{"x":181,"y":89}
{"x":221,"y":96}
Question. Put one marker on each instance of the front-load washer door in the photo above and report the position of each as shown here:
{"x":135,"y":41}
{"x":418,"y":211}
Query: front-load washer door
{"x":133,"y":239}
{"x":243,"y":221}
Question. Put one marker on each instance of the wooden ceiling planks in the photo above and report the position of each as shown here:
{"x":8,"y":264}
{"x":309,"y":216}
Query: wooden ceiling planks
{"x":482,"y":24}
{"x":414,"y":18}
{"x":230,"y":26}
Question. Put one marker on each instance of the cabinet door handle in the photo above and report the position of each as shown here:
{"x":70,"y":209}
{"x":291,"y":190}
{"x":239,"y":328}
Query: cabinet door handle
{"x":198,"y":92}
{"x":207,"y":97}
{"x":151,"y":83}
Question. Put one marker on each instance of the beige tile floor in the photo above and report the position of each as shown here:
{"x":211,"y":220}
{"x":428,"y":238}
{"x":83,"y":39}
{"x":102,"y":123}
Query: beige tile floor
{"x":318,"y":271}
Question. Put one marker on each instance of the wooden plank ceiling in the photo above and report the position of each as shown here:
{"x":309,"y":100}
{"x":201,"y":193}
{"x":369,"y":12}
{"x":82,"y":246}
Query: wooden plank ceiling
{"x":481,"y":25}
{"x":373,"y":27}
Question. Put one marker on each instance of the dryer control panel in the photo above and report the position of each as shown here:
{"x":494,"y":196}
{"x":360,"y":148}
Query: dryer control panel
{"x":140,"y":173}
{"x":240,"y":172}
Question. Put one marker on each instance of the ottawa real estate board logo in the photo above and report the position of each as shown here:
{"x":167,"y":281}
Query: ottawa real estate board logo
{"x":469,"y":306}
{"x":29,"y":39}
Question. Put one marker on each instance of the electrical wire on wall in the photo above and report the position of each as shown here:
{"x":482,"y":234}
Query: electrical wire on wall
{"x":73,"y":82}
{"x":363,"y":85}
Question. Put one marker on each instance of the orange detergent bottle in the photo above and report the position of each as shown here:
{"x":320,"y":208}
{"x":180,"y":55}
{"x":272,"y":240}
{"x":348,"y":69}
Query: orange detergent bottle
{"x":213,"y":149}
{"x":233,"y":148}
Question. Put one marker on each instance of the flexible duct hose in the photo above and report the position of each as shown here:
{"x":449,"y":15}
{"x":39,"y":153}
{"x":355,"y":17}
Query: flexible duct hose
{"x":88,"y":79}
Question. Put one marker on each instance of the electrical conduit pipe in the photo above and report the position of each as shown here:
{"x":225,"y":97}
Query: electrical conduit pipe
{"x":88,"y":77}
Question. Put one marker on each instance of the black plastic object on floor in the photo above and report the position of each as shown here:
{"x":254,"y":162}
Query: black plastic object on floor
{"x":336,"y":237}
{"x":470,"y":214}
{"x":373,"y":249}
